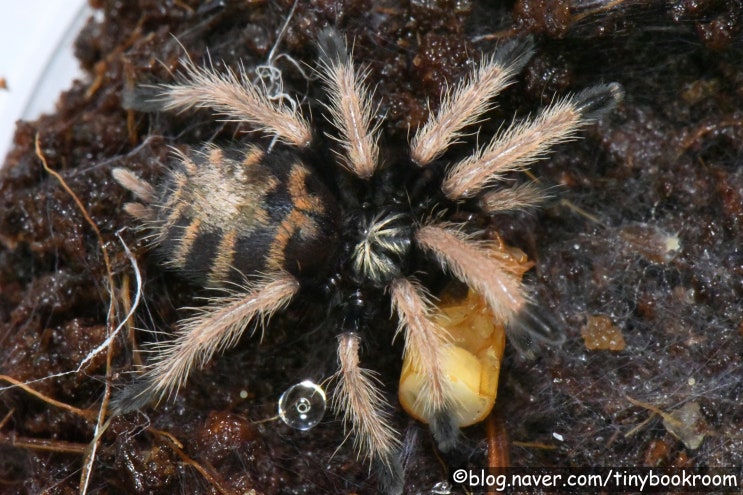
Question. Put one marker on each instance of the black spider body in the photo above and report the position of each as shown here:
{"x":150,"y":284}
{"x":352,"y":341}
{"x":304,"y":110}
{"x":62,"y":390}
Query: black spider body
{"x":227,"y":214}
{"x":379,"y":217}
{"x":277,"y":223}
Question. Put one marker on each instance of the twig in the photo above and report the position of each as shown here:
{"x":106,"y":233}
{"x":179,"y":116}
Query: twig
{"x":43,"y":445}
{"x":498,"y":451}
{"x":85,"y":413}
{"x":177,"y":447}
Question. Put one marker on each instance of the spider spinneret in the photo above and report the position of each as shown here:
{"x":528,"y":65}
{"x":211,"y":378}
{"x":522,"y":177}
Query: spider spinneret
{"x":267,"y":221}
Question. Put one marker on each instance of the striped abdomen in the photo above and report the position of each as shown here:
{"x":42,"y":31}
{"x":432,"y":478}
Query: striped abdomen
{"x":224,"y":214}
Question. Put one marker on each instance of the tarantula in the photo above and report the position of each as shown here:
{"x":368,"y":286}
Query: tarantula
{"x":273,"y":221}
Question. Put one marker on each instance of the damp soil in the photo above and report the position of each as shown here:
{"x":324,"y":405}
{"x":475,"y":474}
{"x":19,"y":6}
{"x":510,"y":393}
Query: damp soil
{"x":642,"y":234}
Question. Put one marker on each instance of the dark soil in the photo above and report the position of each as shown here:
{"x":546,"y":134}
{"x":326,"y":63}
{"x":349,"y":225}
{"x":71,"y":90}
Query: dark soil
{"x":667,"y":163}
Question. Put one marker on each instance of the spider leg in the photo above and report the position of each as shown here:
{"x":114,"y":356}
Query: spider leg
{"x":141,"y":189}
{"x":425,"y":341}
{"x":521,"y":197}
{"x":214,"y":328}
{"x":496,"y":277}
{"x":472,"y":263}
{"x":522,"y":143}
{"x":463,"y":105}
{"x":350,"y":107}
{"x":427,"y":344}
{"x":236,"y":97}
{"x":358,"y":399}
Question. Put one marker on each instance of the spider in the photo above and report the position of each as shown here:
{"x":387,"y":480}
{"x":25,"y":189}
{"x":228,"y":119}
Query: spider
{"x":266,"y":224}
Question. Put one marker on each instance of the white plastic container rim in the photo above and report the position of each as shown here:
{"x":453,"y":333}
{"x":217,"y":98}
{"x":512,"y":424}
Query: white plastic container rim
{"x":36,"y":58}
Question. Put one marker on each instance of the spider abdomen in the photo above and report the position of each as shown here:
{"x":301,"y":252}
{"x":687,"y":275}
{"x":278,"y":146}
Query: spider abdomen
{"x":224,"y":214}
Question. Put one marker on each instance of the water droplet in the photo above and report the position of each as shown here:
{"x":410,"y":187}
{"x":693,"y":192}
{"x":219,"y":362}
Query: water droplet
{"x":302,"y":406}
